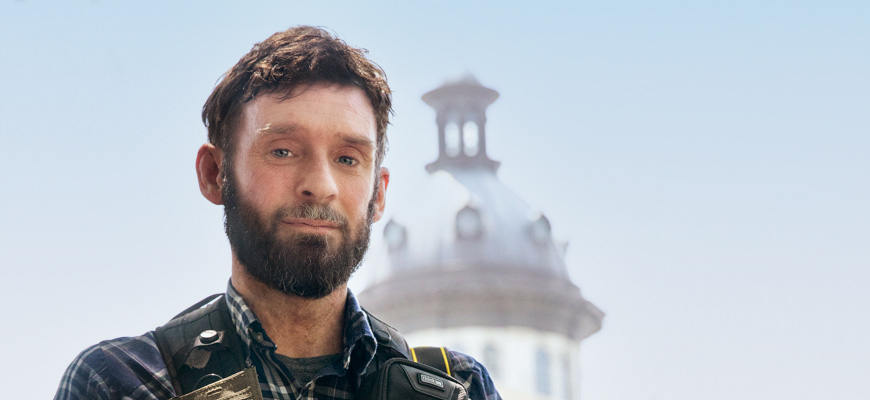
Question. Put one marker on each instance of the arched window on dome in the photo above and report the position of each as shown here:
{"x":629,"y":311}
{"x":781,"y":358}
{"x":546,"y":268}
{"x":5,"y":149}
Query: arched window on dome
{"x":396,"y":235}
{"x":542,"y":371}
{"x":540,"y":231}
{"x":468,"y":223}
{"x":491,"y":360}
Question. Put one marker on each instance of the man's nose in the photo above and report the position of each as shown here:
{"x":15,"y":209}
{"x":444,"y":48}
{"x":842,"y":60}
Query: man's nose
{"x":317,"y":183}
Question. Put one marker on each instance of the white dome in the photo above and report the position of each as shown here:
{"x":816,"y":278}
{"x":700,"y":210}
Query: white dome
{"x":470,"y":219}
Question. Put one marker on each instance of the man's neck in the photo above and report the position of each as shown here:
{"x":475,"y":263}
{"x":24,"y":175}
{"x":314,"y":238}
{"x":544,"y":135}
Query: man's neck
{"x":299,"y":326}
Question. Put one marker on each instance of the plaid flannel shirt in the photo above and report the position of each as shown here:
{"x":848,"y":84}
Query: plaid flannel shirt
{"x":132,"y":368}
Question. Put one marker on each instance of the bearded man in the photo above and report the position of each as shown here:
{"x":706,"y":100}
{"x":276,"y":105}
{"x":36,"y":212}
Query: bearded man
{"x":296,"y":137}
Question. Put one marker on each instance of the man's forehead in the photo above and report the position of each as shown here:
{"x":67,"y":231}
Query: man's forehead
{"x":350,"y":97}
{"x":344,"y":110}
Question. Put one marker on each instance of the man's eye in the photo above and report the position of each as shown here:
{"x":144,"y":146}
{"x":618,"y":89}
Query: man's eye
{"x":281,"y":153}
{"x":349,"y":161}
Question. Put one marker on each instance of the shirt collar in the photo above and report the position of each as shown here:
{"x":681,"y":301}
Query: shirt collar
{"x":360,"y":344}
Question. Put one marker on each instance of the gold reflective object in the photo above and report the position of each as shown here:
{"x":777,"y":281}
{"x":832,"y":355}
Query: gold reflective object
{"x":239,"y":386}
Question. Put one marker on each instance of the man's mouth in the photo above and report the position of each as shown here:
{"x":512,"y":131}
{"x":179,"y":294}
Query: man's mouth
{"x":316,"y":224}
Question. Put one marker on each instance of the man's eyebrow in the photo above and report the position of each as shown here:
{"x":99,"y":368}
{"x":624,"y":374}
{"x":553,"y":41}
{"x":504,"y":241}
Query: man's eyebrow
{"x":290,"y":129}
{"x":358,"y":140}
{"x":270,"y":129}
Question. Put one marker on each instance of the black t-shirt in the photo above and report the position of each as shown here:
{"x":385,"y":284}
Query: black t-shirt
{"x":304,"y":370}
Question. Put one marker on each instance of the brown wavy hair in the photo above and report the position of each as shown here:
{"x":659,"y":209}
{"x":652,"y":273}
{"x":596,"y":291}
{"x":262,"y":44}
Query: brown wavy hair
{"x":299,"y":55}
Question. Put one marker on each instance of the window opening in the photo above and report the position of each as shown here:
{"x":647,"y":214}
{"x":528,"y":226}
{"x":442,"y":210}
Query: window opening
{"x":470,"y":138}
{"x":451,"y":140}
{"x":542,"y":371}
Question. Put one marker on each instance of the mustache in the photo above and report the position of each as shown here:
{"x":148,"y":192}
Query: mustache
{"x":313,"y":211}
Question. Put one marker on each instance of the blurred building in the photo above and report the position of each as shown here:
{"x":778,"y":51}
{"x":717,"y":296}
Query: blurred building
{"x":482,"y":273}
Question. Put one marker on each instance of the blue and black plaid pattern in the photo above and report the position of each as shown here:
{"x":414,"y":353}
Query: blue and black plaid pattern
{"x":132,"y":368}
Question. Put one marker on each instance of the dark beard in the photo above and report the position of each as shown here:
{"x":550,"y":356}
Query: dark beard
{"x":304,"y":265}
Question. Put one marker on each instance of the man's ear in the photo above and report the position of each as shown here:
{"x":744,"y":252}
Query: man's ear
{"x":381,"y":192}
{"x":208,"y":172}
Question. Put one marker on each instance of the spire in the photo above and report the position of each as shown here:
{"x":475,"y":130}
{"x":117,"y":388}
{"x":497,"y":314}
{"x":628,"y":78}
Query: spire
{"x":460,"y":109}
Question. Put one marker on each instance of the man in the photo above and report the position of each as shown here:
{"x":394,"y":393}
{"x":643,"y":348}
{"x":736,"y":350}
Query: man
{"x":296,"y":137}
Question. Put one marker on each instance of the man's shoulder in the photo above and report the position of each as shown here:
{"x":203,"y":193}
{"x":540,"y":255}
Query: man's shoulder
{"x":473,"y":376}
{"x":126,"y":366}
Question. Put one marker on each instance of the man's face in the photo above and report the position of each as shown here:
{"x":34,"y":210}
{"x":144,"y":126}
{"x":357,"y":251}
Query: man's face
{"x":301,"y":188}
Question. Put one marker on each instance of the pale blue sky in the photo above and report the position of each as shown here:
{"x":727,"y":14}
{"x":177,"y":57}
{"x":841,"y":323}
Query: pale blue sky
{"x":708,"y":162}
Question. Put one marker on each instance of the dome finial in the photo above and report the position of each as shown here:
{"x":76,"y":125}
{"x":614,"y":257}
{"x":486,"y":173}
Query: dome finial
{"x":460,"y":108}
